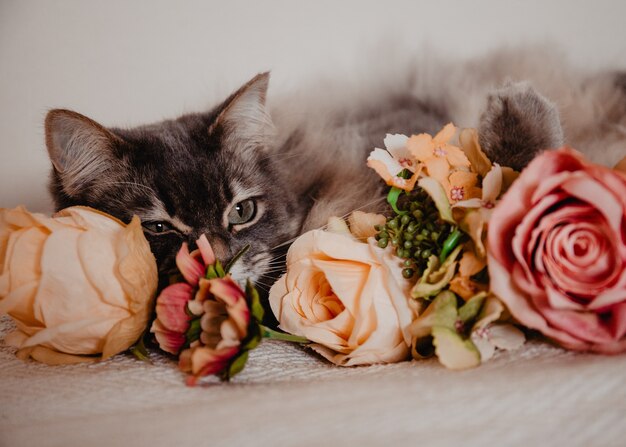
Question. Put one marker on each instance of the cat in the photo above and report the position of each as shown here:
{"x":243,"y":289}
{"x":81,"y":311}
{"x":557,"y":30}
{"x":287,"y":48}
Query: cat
{"x":246,"y":173}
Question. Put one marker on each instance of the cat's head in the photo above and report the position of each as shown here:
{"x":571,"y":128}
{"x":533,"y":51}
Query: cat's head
{"x":208,"y":173}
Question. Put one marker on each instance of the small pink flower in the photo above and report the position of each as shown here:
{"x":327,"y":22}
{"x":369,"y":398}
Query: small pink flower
{"x":172,"y":319}
{"x":174,"y":302}
{"x":557,"y":251}
{"x":224,"y":325}
{"x":208,"y":321}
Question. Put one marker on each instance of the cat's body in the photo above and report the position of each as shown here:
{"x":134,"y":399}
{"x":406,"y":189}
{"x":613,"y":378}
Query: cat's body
{"x":232,"y":174}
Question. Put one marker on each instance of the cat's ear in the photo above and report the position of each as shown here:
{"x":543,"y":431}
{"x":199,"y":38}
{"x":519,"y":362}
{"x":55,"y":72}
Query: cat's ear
{"x":79,"y":148}
{"x":243,"y":120}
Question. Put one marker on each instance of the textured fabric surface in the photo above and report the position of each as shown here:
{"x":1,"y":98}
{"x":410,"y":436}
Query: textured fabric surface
{"x":538,"y":395}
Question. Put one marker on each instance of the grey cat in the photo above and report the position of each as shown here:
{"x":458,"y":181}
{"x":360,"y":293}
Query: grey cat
{"x":243,"y":178}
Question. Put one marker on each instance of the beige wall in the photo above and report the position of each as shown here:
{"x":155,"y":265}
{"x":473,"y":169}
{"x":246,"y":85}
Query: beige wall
{"x":130,"y":62}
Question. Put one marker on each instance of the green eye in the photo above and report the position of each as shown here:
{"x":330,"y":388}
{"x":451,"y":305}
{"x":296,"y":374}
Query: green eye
{"x":243,"y":212}
{"x":157,"y":227}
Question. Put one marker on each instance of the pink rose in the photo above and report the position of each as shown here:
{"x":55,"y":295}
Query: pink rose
{"x":557,"y":251}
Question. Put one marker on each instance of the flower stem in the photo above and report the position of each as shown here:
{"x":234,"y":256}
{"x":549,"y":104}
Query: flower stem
{"x":450,"y":244}
{"x":392,"y":198}
{"x":275,"y":335}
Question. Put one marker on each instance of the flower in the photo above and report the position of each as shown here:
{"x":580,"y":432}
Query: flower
{"x":495,"y":181}
{"x":461,"y":185}
{"x":208,"y":316}
{"x":391,"y":162}
{"x":78,"y":285}
{"x":478,"y":211}
{"x":463,"y":284}
{"x":436,"y":276}
{"x":557,"y":251}
{"x":173,"y":314}
{"x":172,"y":321}
{"x":224,"y":325}
{"x":437,"y":152}
{"x":347,"y":297}
{"x":463,"y":336}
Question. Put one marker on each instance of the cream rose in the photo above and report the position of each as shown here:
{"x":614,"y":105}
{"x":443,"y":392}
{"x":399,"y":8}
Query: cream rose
{"x":347,"y":297}
{"x":77,"y":285}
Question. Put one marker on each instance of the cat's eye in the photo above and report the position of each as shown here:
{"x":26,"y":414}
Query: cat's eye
{"x":157,"y":227}
{"x":243,"y":212}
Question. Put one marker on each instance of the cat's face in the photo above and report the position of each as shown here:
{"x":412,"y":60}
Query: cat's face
{"x":207,"y":174}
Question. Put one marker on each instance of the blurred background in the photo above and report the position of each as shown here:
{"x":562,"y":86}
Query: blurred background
{"x":125,"y":62}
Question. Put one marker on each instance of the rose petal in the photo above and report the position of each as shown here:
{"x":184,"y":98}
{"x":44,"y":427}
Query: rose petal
{"x":188,"y":266}
{"x":206,"y":251}
{"x":362,"y":225}
{"x":503,"y":287}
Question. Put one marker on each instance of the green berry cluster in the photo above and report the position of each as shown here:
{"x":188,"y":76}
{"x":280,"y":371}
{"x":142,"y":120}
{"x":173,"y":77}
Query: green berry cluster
{"x":416,"y":234}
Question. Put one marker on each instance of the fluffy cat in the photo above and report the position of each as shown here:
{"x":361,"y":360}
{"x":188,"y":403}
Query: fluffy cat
{"x":242,"y":177}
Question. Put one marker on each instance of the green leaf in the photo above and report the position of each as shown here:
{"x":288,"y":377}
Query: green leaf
{"x":237,"y":365}
{"x":445,"y":308}
{"x":211,"y":273}
{"x":253,"y":343}
{"x":441,"y":312}
{"x":219,"y":269}
{"x":254,"y":301}
{"x":236,"y":258}
{"x":193,"y":333}
{"x":436,"y":276}
{"x":453,"y":351}
{"x":472,"y":307}
{"x":392,"y":198}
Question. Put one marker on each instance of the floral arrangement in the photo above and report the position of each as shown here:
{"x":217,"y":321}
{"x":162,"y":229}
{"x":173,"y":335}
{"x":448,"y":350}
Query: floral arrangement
{"x":469,"y":259}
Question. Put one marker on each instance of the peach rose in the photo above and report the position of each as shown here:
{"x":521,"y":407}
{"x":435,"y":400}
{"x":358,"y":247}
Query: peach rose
{"x":347,"y":297}
{"x":557,"y":251}
{"x":77,"y":285}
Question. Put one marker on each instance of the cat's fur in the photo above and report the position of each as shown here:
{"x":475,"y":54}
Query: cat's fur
{"x":308,"y":162}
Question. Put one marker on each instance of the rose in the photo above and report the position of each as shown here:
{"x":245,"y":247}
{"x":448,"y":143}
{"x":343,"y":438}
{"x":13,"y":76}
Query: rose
{"x":78,"y":284}
{"x":557,"y":251}
{"x":347,"y":297}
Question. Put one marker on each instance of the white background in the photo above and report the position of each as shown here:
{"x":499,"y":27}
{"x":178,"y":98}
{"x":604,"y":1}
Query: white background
{"x":130,"y":62}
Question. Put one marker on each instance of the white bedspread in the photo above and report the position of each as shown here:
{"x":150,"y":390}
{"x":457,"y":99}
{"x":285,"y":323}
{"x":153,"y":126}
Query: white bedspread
{"x":539,"y":395}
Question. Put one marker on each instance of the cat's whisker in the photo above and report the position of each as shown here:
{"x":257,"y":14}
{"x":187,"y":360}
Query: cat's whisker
{"x":277,"y":273}
{"x":263,"y":286}
{"x":277,"y":268}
